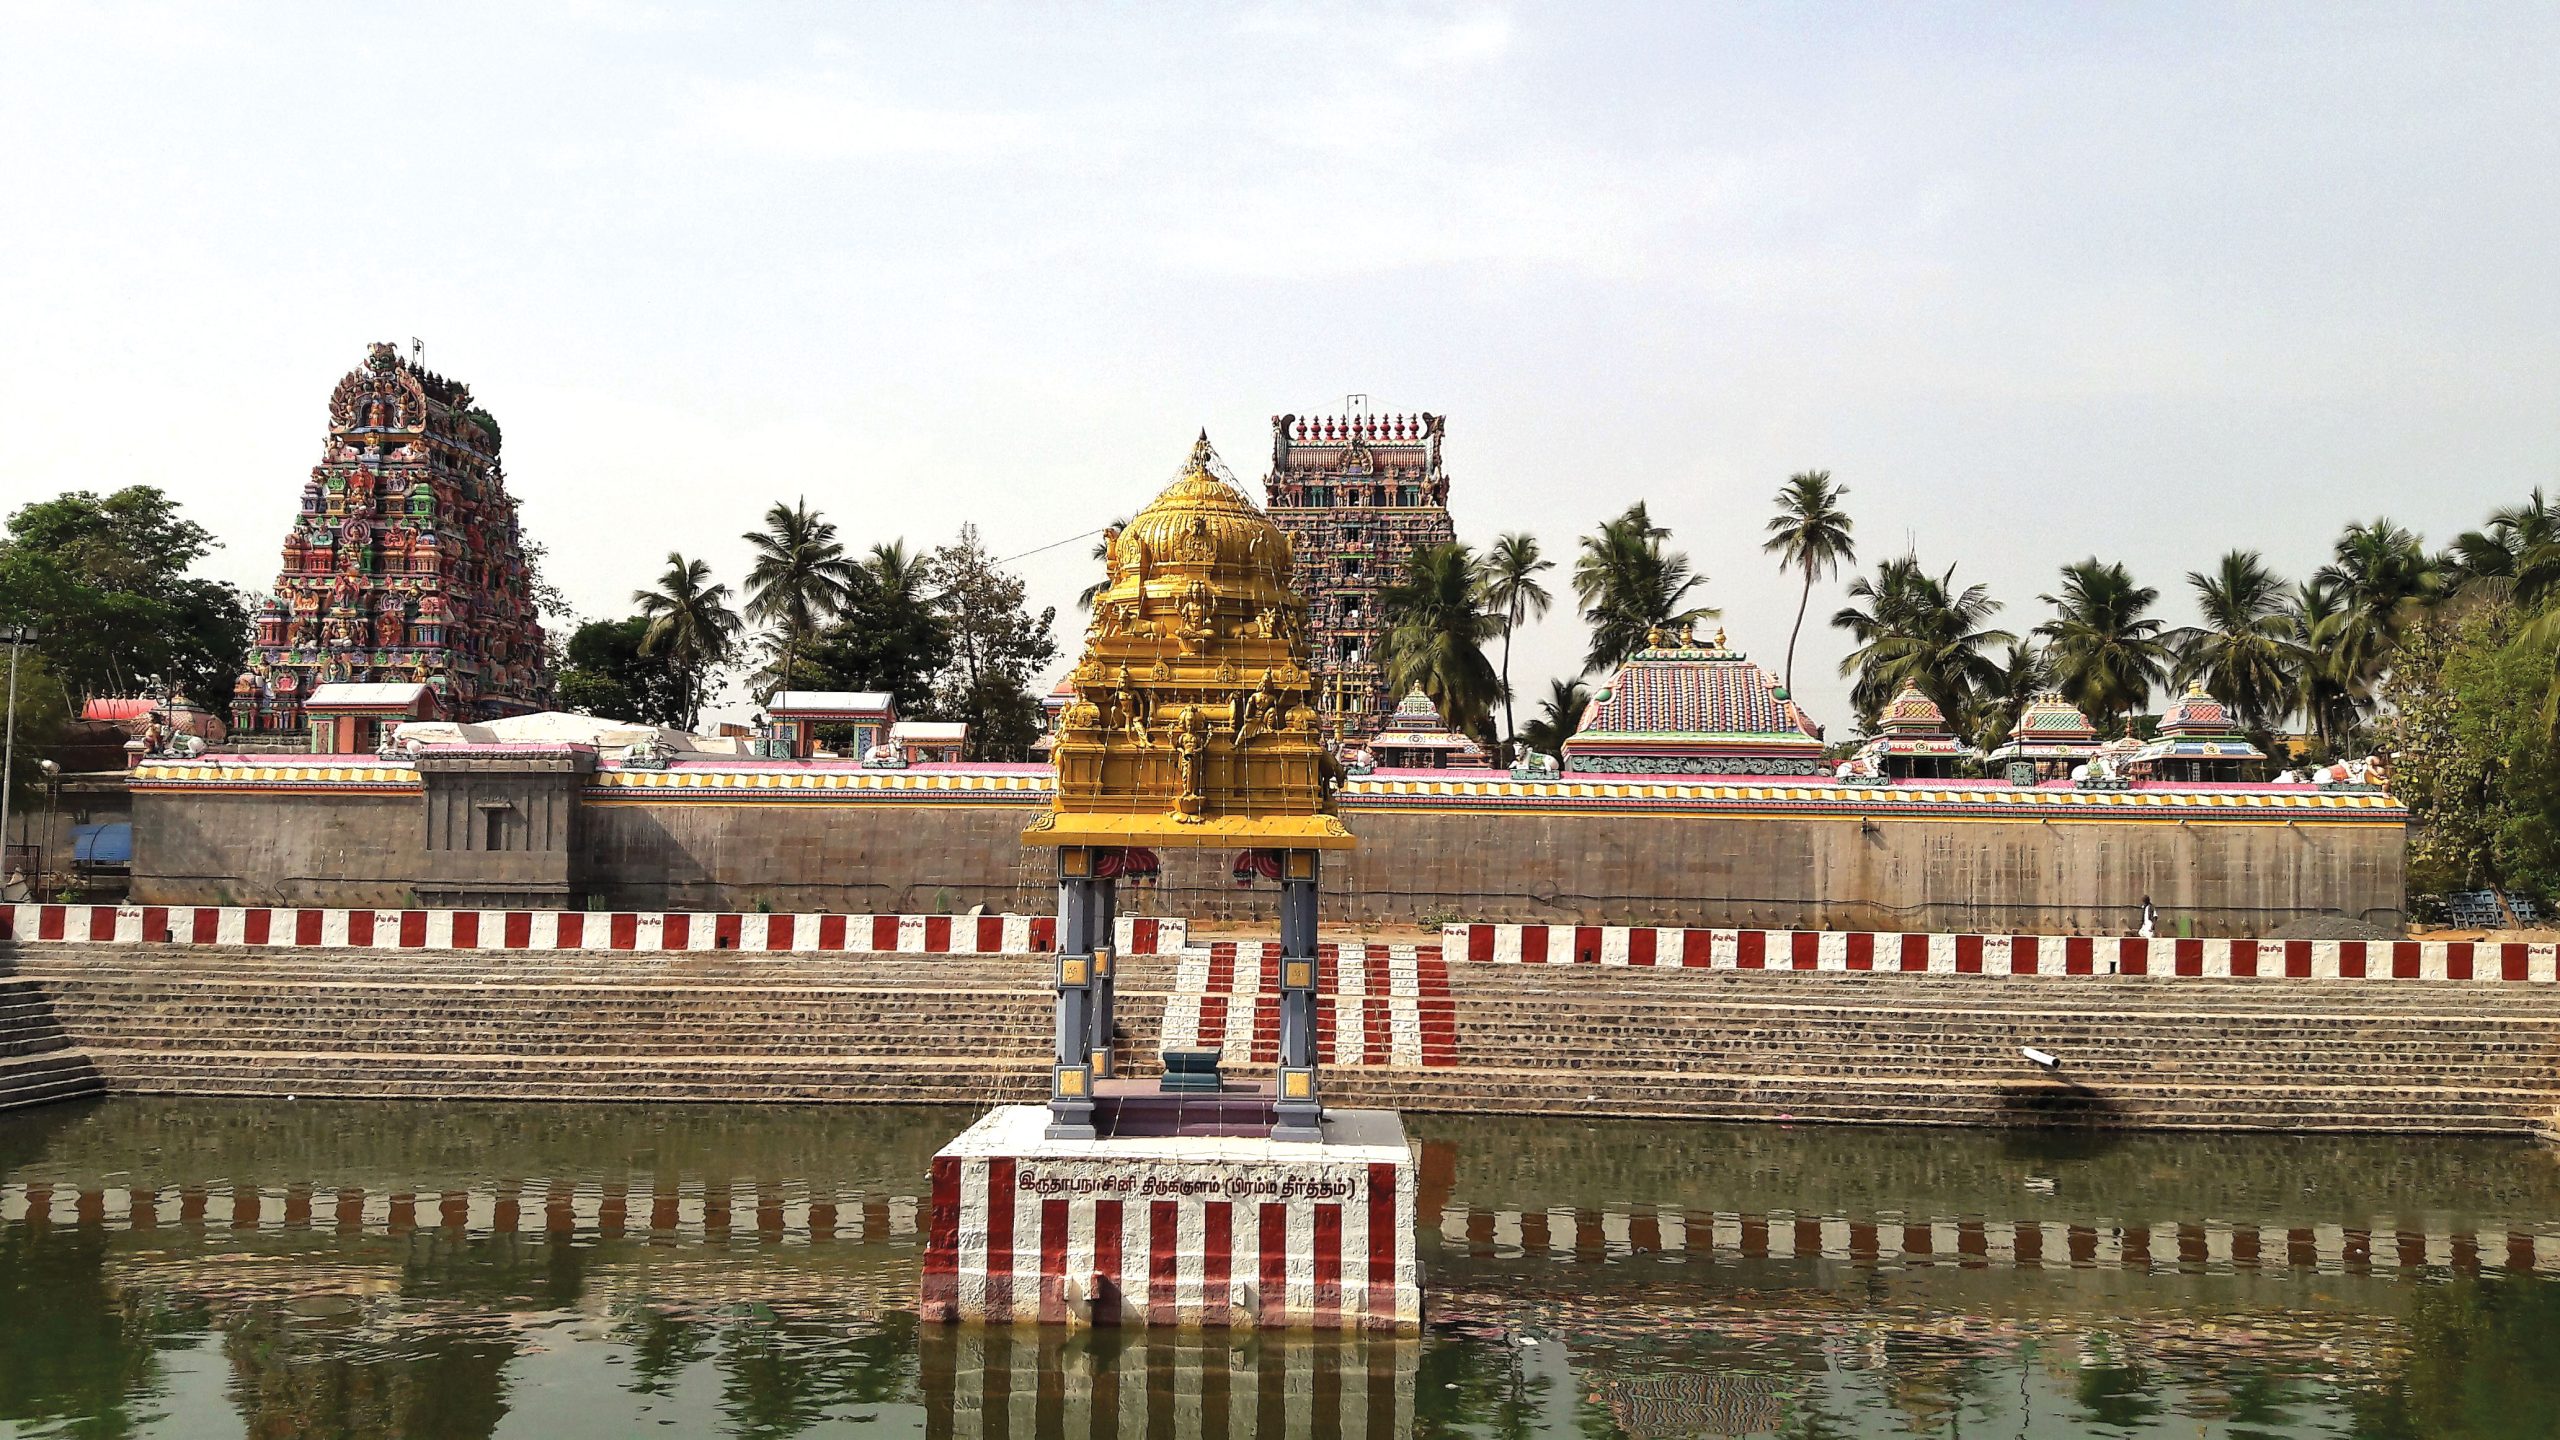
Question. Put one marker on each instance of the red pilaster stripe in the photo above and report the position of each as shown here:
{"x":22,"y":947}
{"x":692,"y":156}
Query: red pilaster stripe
{"x":1862,"y":950}
{"x":1053,"y":1262}
{"x":1382,"y":1240}
{"x":466,"y":929}
{"x":1697,"y":949}
{"x":884,"y":933}
{"x":571,"y":934}
{"x":1804,"y":950}
{"x":940,"y":1295}
{"x":1145,"y":935}
{"x":831,"y":932}
{"x":1586,"y":944}
{"x":1163,"y":1245}
{"x":413,"y":929}
{"x":1436,"y":1010}
{"x":1377,"y":1015}
{"x":1106,"y":1297}
{"x":1000,"y":1236}
{"x":1217,"y":1262}
{"x":990,"y":937}
{"x":1968,"y":954}
{"x":1328,"y":1263}
{"x":1749,"y":949}
{"x":206,"y":927}
{"x":1640,"y":942}
{"x":1915,"y":953}
{"x":937,"y":934}
{"x":1480,"y":942}
{"x":2024,"y":955}
{"x":1533,"y":944}
{"x":675,"y":932}
{"x":728,"y":932}
{"x":779,"y":932}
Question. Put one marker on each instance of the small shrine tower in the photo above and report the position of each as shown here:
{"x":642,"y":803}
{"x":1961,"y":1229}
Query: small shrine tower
{"x":404,"y":565}
{"x":1357,"y":494}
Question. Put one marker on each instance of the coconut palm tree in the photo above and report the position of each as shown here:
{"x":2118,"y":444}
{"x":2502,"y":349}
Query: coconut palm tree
{"x":2008,"y":687}
{"x":2490,"y":558}
{"x":2106,"y":647}
{"x":1630,"y":586}
{"x":1810,"y":533}
{"x":2239,"y":651}
{"x":691,"y":623}
{"x":799,"y":581}
{"x":1559,"y":716}
{"x":2325,"y":688}
{"x":1101,"y":552}
{"x":1918,"y":629}
{"x":1511,"y":570}
{"x":1436,"y":628}
{"x":2383,"y":575}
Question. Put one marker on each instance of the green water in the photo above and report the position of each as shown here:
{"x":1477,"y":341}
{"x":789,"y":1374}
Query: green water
{"x":186,"y":1268}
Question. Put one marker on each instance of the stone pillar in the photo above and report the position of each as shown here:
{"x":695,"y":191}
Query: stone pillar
{"x":1301,"y":1109}
{"x":1079,"y":945}
{"x":1106,"y":931}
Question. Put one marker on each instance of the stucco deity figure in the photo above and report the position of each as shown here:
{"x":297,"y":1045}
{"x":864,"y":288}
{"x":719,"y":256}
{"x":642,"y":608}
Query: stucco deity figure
{"x":1190,"y":758}
{"x":1258,"y":710}
{"x":1129,"y":708}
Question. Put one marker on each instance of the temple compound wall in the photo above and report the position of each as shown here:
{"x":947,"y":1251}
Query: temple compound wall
{"x":1435,"y":846}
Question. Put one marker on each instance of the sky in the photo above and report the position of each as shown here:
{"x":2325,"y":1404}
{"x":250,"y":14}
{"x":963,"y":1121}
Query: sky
{"x":2034,"y":282}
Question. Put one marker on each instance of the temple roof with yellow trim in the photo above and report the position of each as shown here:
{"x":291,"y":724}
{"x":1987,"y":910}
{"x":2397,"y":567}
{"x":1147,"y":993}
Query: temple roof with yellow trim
{"x":1193,"y":722}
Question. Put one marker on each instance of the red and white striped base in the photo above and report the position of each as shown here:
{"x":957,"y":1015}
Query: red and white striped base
{"x":1848,"y":950}
{"x":1174,"y":1231}
{"x":536,"y":930}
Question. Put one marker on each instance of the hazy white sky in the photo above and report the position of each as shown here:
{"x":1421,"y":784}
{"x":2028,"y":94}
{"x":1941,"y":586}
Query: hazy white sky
{"x":2033,"y":281}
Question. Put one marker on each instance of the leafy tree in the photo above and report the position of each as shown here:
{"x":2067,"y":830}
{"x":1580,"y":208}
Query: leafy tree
{"x":800,"y":579}
{"x":2239,"y":651}
{"x":1630,"y":586}
{"x":2385,"y":579}
{"x":1559,"y":716}
{"x":1437,"y":625}
{"x":692,"y":624}
{"x":41,"y":712}
{"x":608,"y":675}
{"x":2491,"y":557}
{"x":889,"y":637}
{"x":2470,"y":755}
{"x":1809,"y":534}
{"x":997,"y":648}
{"x":1511,"y":571}
{"x":103,"y":579}
{"x":1918,"y":629}
{"x":2106,"y":647}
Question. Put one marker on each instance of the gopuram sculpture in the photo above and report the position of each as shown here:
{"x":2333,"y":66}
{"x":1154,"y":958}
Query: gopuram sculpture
{"x":1188,"y":1198}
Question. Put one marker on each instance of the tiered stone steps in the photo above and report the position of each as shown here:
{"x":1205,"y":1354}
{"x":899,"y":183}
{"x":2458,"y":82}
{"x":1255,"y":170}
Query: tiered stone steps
{"x":2149,"y":1052}
{"x":1559,"y":1040}
{"x":706,"y":1026}
{"x":38,"y":1062}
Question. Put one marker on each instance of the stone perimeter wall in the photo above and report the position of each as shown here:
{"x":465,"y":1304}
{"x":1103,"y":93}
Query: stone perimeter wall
{"x":2216,"y":875}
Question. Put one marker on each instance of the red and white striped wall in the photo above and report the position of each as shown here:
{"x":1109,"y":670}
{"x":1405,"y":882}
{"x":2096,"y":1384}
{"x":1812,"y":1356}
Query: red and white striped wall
{"x":976,"y":1382}
{"x":1378,"y":1005}
{"x":1860,"y":950}
{"x":1173,"y":1231}
{"x":564,"y":930}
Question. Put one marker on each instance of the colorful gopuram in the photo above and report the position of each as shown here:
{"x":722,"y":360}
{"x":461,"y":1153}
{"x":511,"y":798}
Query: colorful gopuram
{"x":2051,"y":739}
{"x":1416,"y":737}
{"x":1912,"y":740}
{"x":1681,"y":707}
{"x":2198,"y":741}
{"x":1357,"y":495}
{"x":404,"y":565}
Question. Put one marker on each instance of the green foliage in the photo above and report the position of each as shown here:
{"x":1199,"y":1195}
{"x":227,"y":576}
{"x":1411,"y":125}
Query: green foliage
{"x":888,"y":637}
{"x":2478,"y":1352}
{"x":41,"y":711}
{"x":800,"y":580}
{"x":1511,"y":587}
{"x":1437,"y":625}
{"x":2106,"y":648}
{"x":1919,"y":629}
{"x":608,"y":676}
{"x":1559,"y":716}
{"x":103,"y":579}
{"x":2239,"y":650}
{"x":1810,"y":534}
{"x":691,"y":624}
{"x":1630,"y":585}
{"x":2471,"y":757}
{"x":996,"y":649}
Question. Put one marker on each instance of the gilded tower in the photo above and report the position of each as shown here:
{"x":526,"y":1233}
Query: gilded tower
{"x":1357,"y":494}
{"x":1192,"y":722}
{"x":404,"y":564}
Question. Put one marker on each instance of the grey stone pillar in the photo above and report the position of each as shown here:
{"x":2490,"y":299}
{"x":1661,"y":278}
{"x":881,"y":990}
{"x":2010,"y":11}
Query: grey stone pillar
{"x":1301,"y":1108}
{"x":1071,"y":1067}
{"x":1106,"y":973}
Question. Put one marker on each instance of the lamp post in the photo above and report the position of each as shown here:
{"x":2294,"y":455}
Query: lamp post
{"x":16,"y":635}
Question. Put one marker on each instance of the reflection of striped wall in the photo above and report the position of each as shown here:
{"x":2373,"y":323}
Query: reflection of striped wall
{"x":1022,"y":1383}
{"x":1848,"y":950}
{"x":641,"y":1208}
{"x":1379,"y":1005}
{"x":2377,"y":1244}
{"x":564,"y":930}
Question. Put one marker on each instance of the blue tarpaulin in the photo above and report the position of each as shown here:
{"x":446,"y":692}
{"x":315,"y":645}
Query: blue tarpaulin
{"x":108,"y":844}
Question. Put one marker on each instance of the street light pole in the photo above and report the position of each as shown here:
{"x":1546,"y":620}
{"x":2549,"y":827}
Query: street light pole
{"x":16,"y":635}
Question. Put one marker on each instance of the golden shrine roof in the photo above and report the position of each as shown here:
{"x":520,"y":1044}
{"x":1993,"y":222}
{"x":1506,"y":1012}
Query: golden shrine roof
{"x":1193,"y":722}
